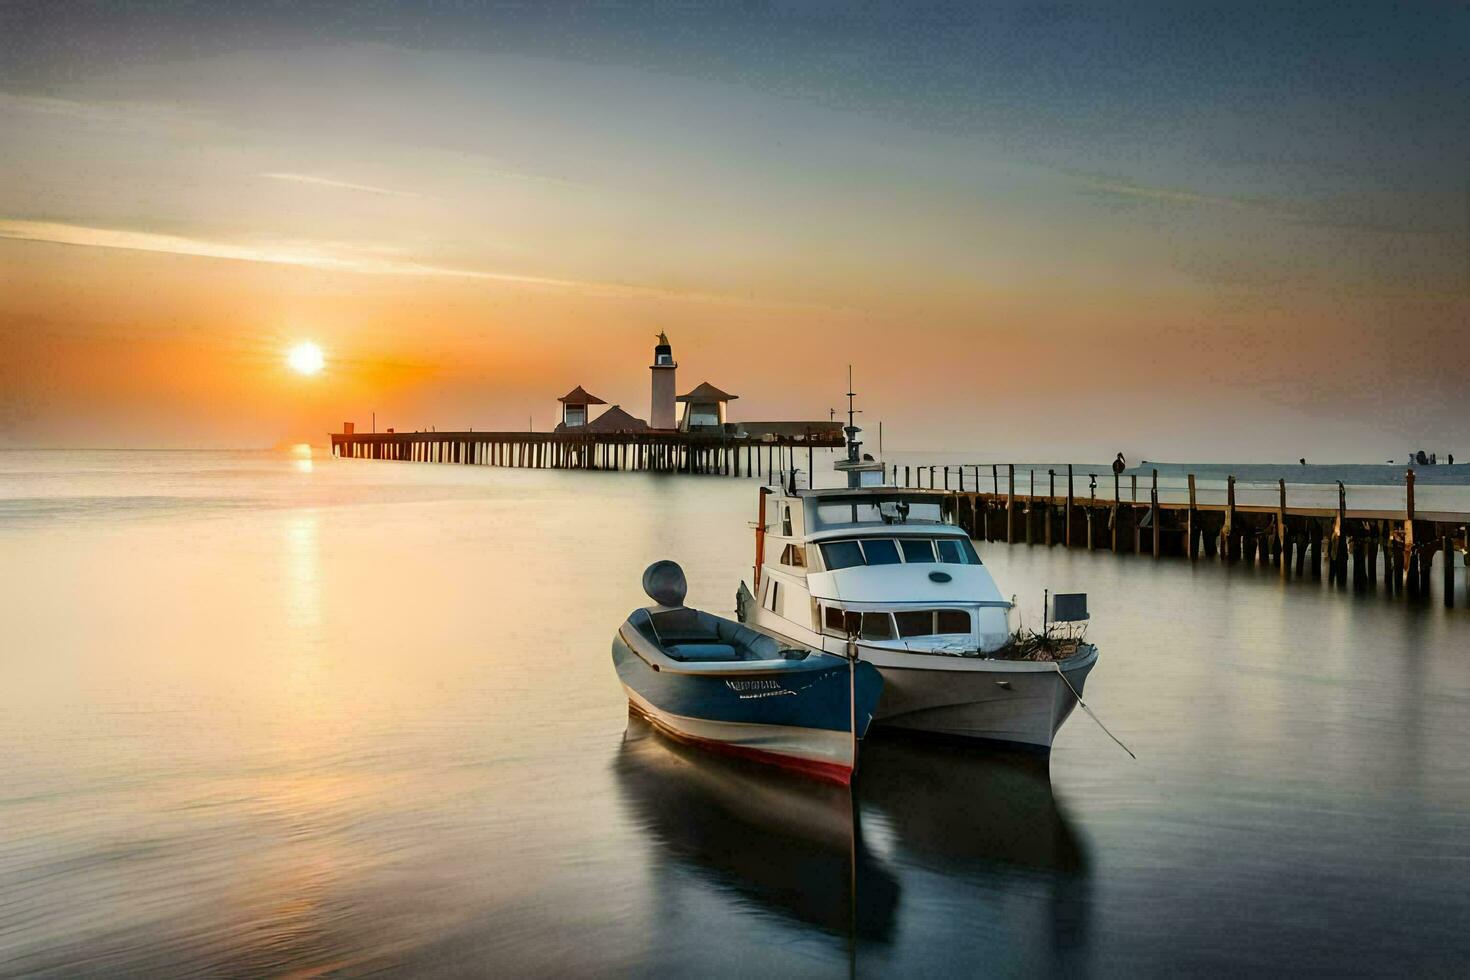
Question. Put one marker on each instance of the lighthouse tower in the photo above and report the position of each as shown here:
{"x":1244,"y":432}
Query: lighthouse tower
{"x":661,"y":411}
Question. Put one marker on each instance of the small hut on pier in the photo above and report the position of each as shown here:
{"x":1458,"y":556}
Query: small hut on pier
{"x":706,"y":408}
{"x":574,"y":406}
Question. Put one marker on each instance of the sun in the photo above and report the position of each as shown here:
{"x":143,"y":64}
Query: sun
{"x":305,"y":358}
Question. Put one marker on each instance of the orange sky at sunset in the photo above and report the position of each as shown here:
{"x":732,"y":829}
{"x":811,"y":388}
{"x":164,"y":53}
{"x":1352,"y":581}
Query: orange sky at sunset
{"x":468,"y":234}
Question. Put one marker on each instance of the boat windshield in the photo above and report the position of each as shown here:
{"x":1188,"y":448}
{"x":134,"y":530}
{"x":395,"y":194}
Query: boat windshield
{"x":901,"y":624}
{"x":879,"y":510}
{"x":887,"y":551}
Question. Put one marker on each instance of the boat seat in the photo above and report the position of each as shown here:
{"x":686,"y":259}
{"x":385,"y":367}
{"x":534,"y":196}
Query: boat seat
{"x":681,"y":625}
{"x":703,"y":652}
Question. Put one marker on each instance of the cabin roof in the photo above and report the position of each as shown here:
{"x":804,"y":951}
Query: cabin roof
{"x":580,"y":396}
{"x":616,"y":420}
{"x":707,"y":392}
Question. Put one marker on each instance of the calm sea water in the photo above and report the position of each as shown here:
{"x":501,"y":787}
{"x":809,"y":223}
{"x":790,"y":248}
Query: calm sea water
{"x":272,"y":715}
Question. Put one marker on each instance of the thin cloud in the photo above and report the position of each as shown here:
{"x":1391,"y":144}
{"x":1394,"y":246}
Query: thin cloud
{"x":1165,"y":195}
{"x":1359,"y":213}
{"x":340,"y":184}
{"x":330,"y":258}
{"x":133,"y":113}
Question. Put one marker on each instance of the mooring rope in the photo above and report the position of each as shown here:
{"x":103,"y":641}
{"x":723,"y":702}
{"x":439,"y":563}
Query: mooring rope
{"x":1090,"y":713}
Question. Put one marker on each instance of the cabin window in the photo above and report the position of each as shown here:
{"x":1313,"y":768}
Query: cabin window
{"x":786,"y":520}
{"x":870,"y":511}
{"x":575,"y":415}
{"x":832,"y":621}
{"x":841,"y":554}
{"x":915,"y":551}
{"x":794,"y":555}
{"x":915,"y":623}
{"x":774,"y":598}
{"x":877,"y":626}
{"x":957,"y":551}
{"x":880,"y":551}
{"x":952,"y":621}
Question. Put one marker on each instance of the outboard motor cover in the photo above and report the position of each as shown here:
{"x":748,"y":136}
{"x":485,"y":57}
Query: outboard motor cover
{"x":665,"y":583}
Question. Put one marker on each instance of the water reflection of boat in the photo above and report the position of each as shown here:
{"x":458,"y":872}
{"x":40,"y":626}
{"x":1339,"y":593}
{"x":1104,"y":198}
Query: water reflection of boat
{"x":785,"y":844}
{"x":950,"y":804}
{"x":978,"y":829}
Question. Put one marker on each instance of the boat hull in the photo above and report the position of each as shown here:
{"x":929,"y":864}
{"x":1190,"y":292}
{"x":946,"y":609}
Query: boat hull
{"x":1001,"y":704}
{"x":1020,"y":702}
{"x":795,"y":719}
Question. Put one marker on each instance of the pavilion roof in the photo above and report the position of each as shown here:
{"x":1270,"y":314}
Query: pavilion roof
{"x":580,"y":396}
{"x":706,"y":392}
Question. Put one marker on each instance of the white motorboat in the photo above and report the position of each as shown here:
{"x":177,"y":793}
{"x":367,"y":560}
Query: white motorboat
{"x":932,"y":619}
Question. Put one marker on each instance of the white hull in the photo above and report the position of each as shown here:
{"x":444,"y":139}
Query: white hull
{"x":1005,"y":706}
{"x":1017,"y":701}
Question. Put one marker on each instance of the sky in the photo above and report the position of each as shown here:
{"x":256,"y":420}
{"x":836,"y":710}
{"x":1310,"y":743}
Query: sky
{"x":1185,"y":232}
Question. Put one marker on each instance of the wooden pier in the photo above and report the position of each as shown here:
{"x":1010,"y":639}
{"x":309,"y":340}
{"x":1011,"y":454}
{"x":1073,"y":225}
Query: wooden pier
{"x":1355,"y":546}
{"x":764,"y":452}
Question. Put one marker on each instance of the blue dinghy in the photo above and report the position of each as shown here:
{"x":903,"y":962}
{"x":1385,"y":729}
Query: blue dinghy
{"x":714,"y":682}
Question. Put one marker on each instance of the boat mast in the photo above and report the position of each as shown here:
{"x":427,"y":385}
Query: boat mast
{"x":854,"y":445}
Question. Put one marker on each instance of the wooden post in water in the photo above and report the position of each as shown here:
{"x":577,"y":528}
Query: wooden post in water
{"x":1314,"y":547}
{"x":1030,"y":504}
{"x":1153,"y":503}
{"x":1010,"y":503}
{"x":1228,"y":548}
{"x":1408,"y":543}
{"x":1051,"y":496}
{"x":1191,"y":547}
{"x":1282,"y":543}
{"x":1374,"y":546}
{"x":1339,"y":537}
{"x":1117,"y":504}
{"x":1447,"y":550}
{"x":1067,"y":537}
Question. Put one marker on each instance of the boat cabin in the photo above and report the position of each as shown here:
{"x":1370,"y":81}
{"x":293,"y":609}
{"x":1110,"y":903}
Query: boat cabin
{"x":828,"y":552}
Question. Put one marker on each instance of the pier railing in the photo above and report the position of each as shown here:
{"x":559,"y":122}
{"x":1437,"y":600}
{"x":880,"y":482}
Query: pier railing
{"x":1278,"y":529}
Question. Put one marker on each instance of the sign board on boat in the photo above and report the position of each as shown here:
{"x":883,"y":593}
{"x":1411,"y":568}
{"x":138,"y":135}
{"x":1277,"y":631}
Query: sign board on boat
{"x":1069,"y":607}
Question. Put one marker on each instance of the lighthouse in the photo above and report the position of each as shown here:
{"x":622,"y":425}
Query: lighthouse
{"x":661,"y":409}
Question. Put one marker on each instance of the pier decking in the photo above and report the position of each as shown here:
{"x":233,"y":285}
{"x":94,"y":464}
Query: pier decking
{"x":762,"y":449}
